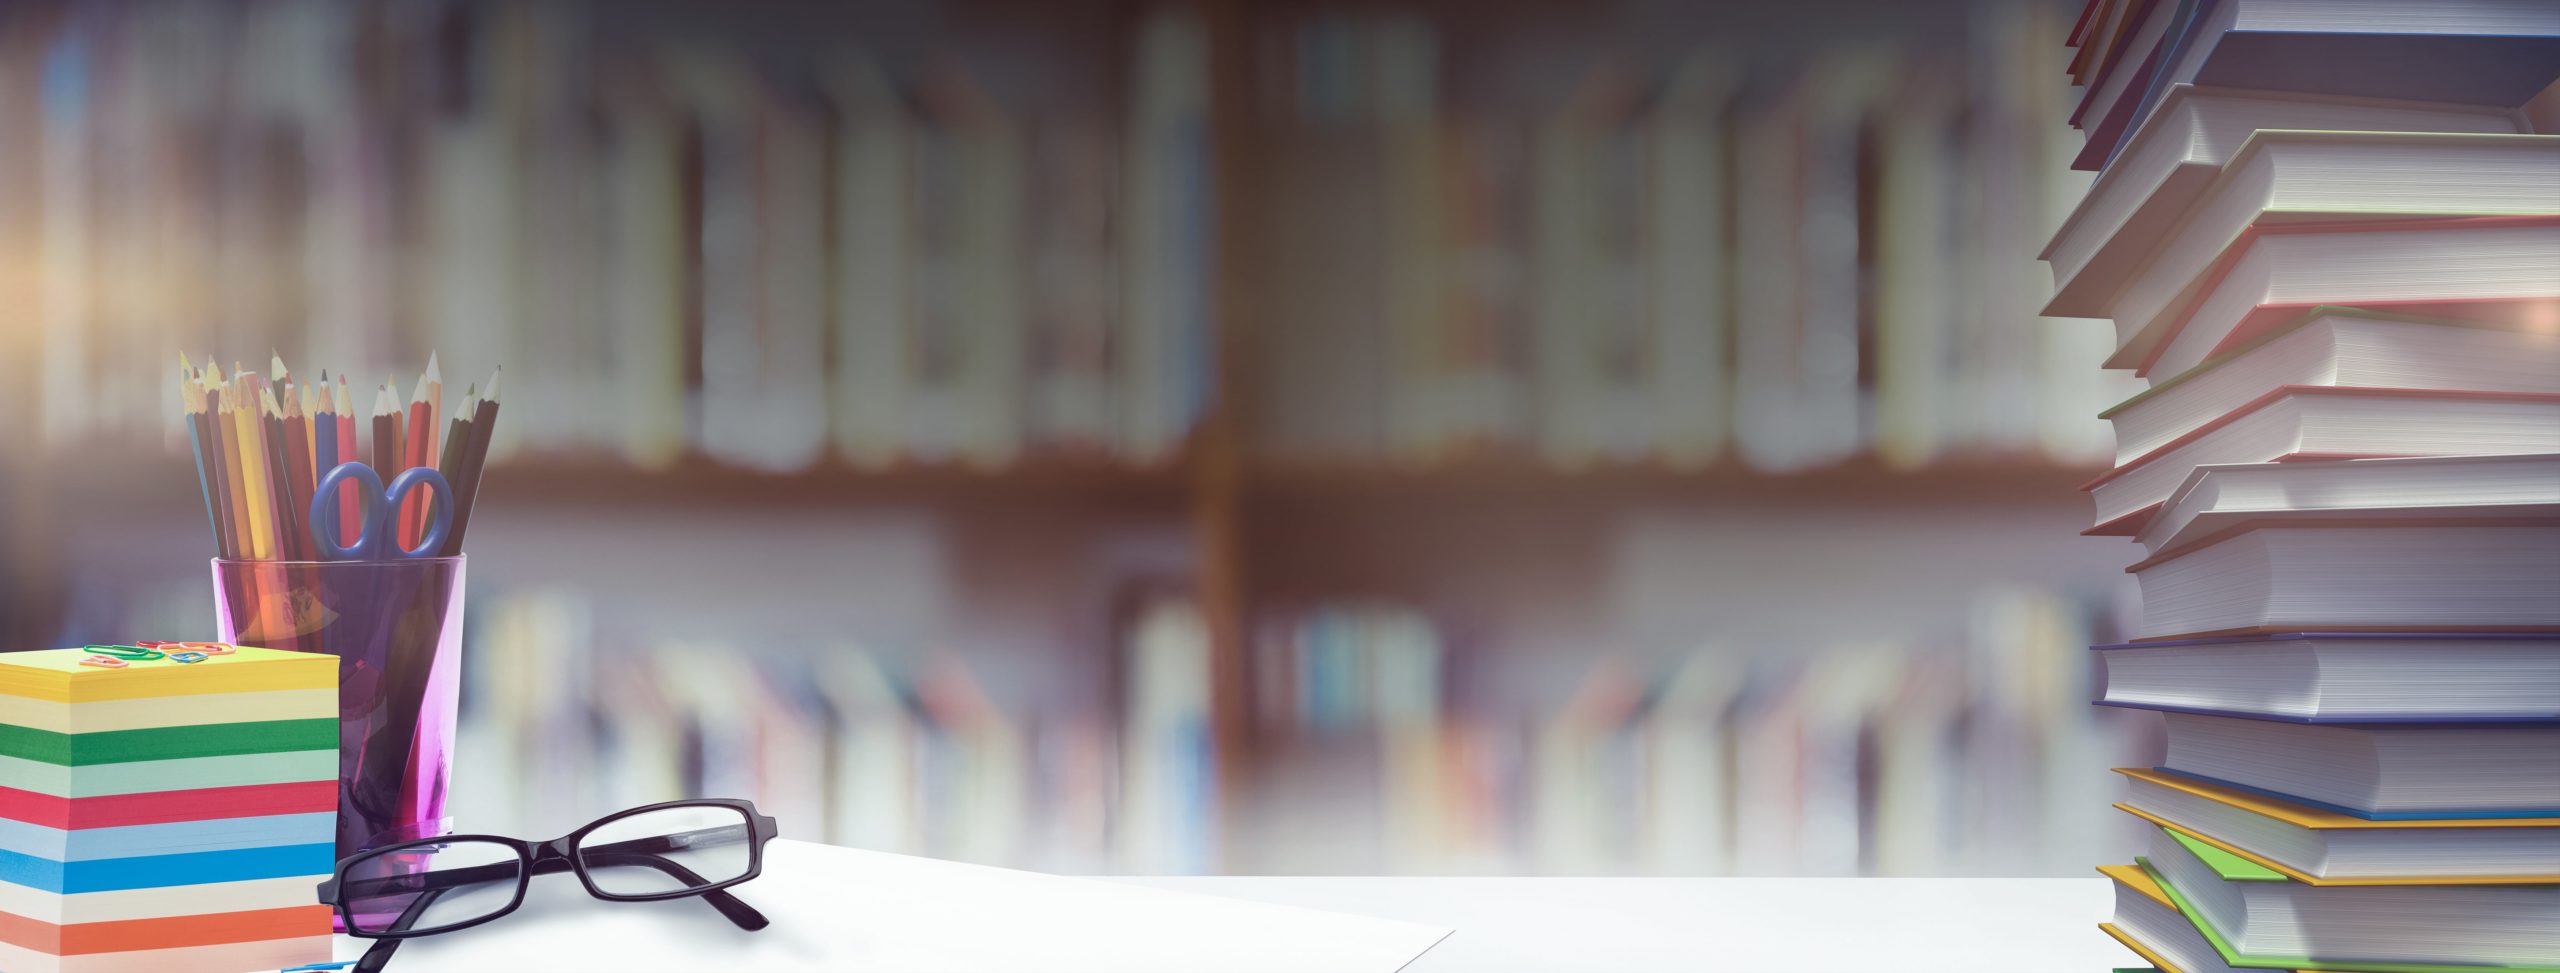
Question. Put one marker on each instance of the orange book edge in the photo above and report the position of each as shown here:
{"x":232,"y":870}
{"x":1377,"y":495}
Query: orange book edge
{"x":2299,"y":876}
{"x":2139,"y":949}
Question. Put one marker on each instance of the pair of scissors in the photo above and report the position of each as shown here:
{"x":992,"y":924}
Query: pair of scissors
{"x":377,"y":528}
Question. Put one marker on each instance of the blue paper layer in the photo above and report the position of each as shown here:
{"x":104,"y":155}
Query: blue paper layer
{"x":175,"y":837}
{"x":155,"y":871}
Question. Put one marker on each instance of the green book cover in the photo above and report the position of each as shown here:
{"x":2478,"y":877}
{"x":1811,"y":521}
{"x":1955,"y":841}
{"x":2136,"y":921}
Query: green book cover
{"x":2232,"y":868}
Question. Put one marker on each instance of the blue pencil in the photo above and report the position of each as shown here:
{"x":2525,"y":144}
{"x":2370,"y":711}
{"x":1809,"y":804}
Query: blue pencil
{"x":324,"y":448}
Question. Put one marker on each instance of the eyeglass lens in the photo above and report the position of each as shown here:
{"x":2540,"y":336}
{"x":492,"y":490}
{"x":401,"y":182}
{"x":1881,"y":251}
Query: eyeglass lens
{"x":667,"y":850}
{"x":431,"y":887}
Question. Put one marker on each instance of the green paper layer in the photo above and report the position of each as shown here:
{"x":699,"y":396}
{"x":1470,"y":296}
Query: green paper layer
{"x":2232,"y":868}
{"x":2233,"y":957}
{"x":183,"y":774}
{"x":166,"y":743}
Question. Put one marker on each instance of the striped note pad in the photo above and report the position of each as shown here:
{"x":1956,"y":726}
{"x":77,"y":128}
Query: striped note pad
{"x":175,"y":813}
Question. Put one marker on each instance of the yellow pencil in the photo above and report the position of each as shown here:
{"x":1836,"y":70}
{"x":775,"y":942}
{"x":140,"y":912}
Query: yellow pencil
{"x":235,"y":487}
{"x":253,"y":462}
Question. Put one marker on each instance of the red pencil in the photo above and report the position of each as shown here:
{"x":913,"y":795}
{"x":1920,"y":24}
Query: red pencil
{"x":420,"y":452}
{"x":349,"y":510}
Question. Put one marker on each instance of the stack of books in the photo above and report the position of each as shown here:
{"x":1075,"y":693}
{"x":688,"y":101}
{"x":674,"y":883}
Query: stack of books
{"x":170,"y":813}
{"x":2328,"y":235}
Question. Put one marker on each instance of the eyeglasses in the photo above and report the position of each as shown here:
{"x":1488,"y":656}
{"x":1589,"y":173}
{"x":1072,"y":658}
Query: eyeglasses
{"x":440,"y":885}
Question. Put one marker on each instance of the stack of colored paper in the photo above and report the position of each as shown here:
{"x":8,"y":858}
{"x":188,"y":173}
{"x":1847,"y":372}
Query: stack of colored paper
{"x":2328,"y":235}
{"x":171,"y":813}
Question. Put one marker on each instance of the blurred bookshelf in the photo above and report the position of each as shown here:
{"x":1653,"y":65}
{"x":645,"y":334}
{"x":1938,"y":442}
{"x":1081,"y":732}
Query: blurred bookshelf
{"x":1260,"y":437}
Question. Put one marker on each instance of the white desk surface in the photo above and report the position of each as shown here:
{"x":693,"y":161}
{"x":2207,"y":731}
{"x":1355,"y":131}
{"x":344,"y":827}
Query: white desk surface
{"x":1759,"y":925}
{"x":842,"y":909}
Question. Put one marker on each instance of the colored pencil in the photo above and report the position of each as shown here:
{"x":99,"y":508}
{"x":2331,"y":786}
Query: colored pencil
{"x":296,"y":454}
{"x":279,"y":472}
{"x":194,"y":402}
{"x":349,"y":507}
{"x":386,"y":433}
{"x":324,"y":457}
{"x":474,"y":457}
{"x":457,"y":435}
{"x":234,"y":477}
{"x":254,"y":469}
{"x":262,"y":442}
{"x":390,"y":444}
{"x":421,"y":451}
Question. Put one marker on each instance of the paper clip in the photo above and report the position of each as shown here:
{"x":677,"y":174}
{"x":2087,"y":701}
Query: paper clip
{"x":317,"y":967}
{"x":187,"y":658}
{"x":104,"y":662}
{"x":208,"y":648}
{"x":129,"y":653}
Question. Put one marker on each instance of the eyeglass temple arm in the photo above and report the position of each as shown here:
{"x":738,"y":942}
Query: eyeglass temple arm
{"x":379,"y":955}
{"x":739,"y":912}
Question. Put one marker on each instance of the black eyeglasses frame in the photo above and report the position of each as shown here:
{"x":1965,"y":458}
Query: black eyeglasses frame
{"x":562,"y":854}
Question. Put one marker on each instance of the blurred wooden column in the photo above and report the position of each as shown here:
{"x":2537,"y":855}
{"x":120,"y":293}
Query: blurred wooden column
{"x":1217,"y":456}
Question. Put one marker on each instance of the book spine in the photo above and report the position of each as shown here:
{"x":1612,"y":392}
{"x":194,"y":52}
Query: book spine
{"x":874,"y":234}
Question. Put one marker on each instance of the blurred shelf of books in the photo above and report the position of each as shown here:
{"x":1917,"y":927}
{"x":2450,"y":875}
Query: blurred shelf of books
{"x":904,"y":324}
{"x":1674,"y":248}
{"x":682,"y":235}
{"x":1874,"y":759}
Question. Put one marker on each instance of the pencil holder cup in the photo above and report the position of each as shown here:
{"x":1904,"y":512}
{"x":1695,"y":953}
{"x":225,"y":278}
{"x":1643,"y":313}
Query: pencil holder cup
{"x":396,"y":628}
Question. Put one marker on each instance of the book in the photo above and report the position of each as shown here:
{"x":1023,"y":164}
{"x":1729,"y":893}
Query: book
{"x":149,"y":820}
{"x":2327,"y":234}
{"x":1071,"y":267}
{"x":2485,"y":770}
{"x":2302,"y":180}
{"x":874,"y":237}
{"x":2321,"y":847}
{"x":2320,"y":422}
{"x":2342,"y":677}
{"x":2260,"y":914}
{"x":2495,"y":270}
{"x":2149,"y":923}
{"x":1916,"y":302}
{"x":2125,"y":61}
{"x":2488,"y":52}
{"x":2379,"y":578}
{"x":1593,"y":329}
{"x":1169,"y":329}
{"x":2341,"y":346}
{"x":1688,"y":220}
{"x":2219,"y":500}
{"x":2179,"y":150}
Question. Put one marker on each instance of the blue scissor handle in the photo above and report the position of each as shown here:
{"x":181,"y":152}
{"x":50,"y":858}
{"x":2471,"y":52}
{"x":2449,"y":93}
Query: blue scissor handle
{"x":377,"y":536}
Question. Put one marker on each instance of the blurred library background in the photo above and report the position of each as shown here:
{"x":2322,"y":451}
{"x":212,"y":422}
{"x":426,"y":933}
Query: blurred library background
{"x":1249,"y":437}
